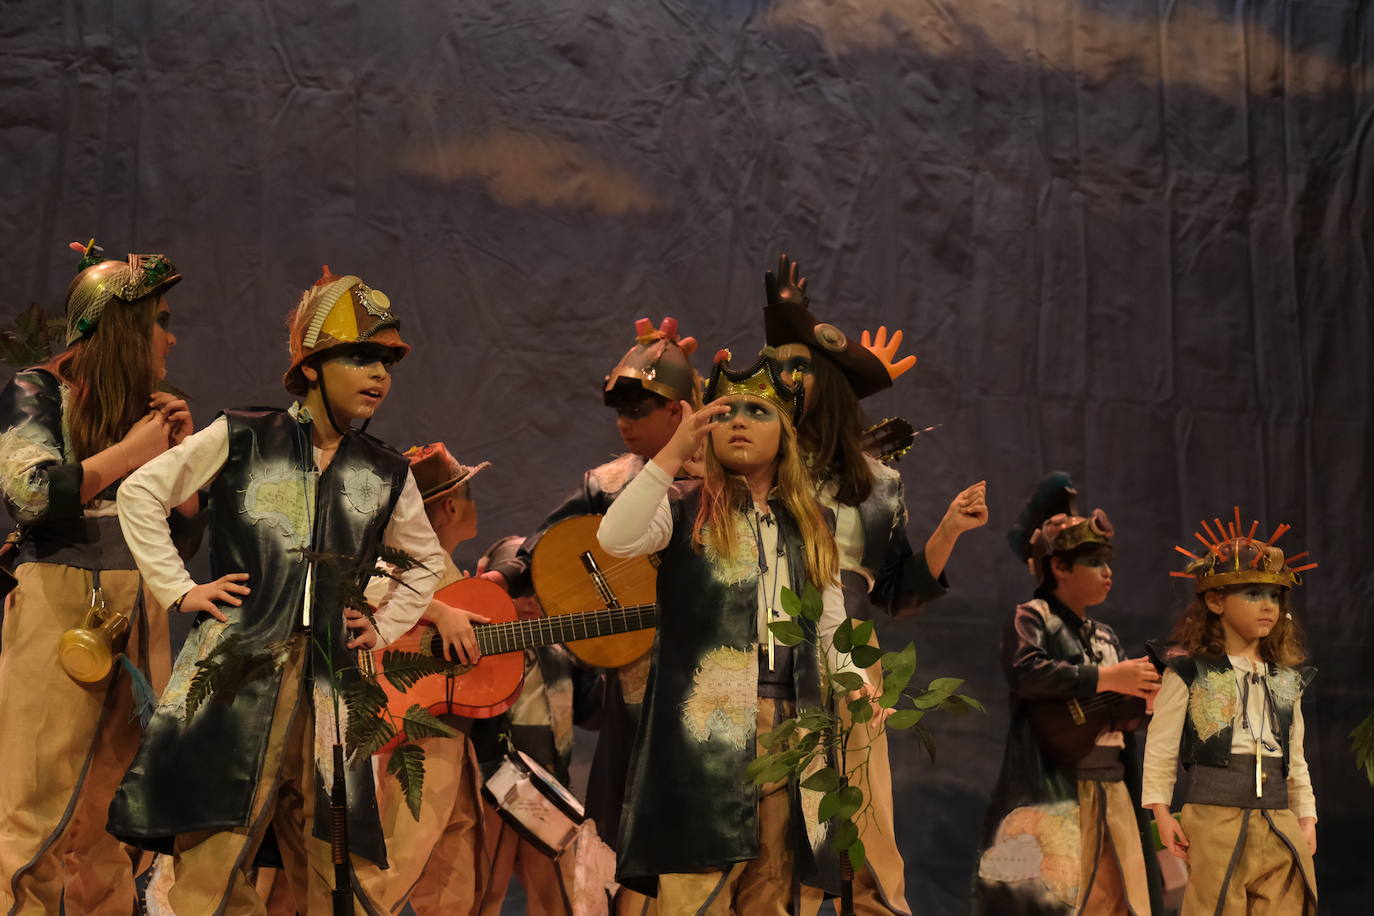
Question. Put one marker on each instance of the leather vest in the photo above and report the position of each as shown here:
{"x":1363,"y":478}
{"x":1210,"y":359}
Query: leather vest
{"x":697,"y":734}
{"x":1214,"y":701}
{"x":202,"y":775}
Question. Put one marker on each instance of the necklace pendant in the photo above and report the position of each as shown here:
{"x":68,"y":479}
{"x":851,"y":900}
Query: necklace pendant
{"x":1259,"y":772}
{"x":771,"y":644}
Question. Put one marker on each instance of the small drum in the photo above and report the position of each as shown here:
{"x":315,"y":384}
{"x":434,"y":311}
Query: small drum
{"x":534,"y":803}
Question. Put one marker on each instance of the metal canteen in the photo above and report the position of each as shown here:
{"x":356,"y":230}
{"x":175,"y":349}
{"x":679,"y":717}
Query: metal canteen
{"x":88,"y":652}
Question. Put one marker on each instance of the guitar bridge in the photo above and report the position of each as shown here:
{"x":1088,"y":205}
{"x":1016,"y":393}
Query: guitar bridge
{"x":1076,"y":713}
{"x":603,"y":588}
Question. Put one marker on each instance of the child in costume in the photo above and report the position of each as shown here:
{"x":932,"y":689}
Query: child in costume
{"x":1230,"y":709}
{"x":694,"y":830}
{"x":207,"y":786}
{"x":645,"y":389}
{"x":70,"y":431}
{"x":436,"y":862}
{"x":1063,"y":838}
{"x":877,"y":565}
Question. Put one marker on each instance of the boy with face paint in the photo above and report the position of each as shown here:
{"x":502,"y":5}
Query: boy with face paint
{"x":1230,"y":709}
{"x":878,"y":567}
{"x":1066,"y":839}
{"x":206,"y":787}
{"x":646,"y":389}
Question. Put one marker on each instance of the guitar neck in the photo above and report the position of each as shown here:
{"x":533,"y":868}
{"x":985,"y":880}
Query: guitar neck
{"x":518,"y":635}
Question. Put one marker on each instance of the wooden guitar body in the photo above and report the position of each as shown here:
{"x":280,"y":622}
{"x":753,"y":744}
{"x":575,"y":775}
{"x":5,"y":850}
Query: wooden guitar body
{"x":573,"y":575}
{"x":1067,"y":730}
{"x":487,"y":689}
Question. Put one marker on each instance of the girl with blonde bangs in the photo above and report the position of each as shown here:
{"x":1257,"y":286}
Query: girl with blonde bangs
{"x":726,"y":494}
{"x":728,"y":545}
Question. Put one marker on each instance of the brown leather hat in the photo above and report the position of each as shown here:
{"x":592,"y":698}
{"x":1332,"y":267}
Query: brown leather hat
{"x":437,"y":473}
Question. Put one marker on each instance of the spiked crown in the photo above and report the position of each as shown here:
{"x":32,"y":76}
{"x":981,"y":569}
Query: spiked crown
{"x":1236,"y":557}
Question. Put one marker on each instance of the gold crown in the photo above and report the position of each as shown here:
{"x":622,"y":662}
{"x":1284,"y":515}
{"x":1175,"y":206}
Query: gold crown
{"x":1235,"y":557}
{"x":761,"y":380}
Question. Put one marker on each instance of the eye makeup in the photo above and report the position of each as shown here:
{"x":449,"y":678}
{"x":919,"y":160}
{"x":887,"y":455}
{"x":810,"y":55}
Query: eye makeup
{"x":749,"y":409}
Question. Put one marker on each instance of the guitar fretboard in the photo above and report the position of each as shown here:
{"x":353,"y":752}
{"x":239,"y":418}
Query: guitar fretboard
{"x":518,"y":635}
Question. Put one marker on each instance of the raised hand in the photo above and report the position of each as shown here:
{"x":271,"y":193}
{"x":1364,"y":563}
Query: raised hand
{"x":785,"y":285}
{"x":226,"y":589}
{"x":968,"y":510}
{"x":691,"y":432}
{"x":886,"y":351}
{"x":176,"y":413}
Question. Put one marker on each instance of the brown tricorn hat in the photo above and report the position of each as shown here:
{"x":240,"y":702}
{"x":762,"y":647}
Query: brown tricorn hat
{"x":788,"y":320}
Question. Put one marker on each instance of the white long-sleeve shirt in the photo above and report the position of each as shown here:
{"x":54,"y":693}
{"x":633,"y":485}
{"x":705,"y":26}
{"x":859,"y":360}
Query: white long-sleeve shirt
{"x":640,"y":521}
{"x":151,"y":492}
{"x":1166,"y":731}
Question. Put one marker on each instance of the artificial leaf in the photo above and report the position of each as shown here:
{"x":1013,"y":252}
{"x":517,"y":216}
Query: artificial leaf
{"x":905,"y":718}
{"x":970,"y":702}
{"x":787,"y":632}
{"x":866,"y":656}
{"x":779,"y":735}
{"x":843,"y":638}
{"x":363,"y":697}
{"x":407,"y":764}
{"x":863,"y":633}
{"x":758,"y":765}
{"x":823,"y":780}
{"x":861,"y":710}
{"x":905,"y":660}
{"x":927,"y":739}
{"x":791,"y":603}
{"x":847,"y":680}
{"x":815,"y":720}
{"x":366,"y":735}
{"x":811,"y":604}
{"x":404,"y":669}
{"x":421,"y":723}
{"x":846,"y":835}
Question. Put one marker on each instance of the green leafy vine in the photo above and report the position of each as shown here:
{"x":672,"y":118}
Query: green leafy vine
{"x":820,"y":735}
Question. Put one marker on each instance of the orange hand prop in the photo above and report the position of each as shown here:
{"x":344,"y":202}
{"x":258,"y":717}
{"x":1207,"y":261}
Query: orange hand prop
{"x":886,"y":351}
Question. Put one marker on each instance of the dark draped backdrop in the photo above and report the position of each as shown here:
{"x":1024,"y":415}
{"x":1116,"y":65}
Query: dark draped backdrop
{"x":1127,"y":239}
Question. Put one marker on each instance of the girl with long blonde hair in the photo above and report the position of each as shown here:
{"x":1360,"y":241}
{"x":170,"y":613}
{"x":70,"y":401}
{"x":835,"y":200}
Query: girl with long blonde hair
{"x":728,"y":545}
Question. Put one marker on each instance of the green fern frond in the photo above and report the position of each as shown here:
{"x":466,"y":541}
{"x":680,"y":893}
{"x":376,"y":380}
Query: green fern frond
{"x":407,"y":764}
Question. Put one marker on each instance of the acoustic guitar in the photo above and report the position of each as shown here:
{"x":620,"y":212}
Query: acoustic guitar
{"x":1067,"y":729}
{"x":573,"y":575}
{"x":491,"y":687}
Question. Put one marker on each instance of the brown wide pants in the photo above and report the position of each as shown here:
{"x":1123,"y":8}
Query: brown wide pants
{"x":64,"y":746}
{"x":758,"y":887}
{"x":1247,"y":861}
{"x":212,"y":868}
